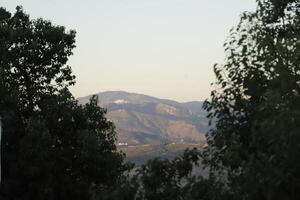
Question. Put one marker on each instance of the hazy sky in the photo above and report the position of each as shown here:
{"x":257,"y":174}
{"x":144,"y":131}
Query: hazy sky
{"x":164,"y":48}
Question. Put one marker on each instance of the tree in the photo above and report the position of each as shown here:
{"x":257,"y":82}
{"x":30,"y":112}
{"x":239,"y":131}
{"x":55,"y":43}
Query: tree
{"x":53,"y":148}
{"x":163,"y":179}
{"x":256,"y":104}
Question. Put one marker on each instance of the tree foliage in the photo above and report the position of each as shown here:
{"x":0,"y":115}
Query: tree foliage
{"x":256,"y":104}
{"x":164,"y":179}
{"x":52,"y":147}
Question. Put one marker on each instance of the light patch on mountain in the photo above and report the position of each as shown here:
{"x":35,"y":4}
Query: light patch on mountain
{"x":142,"y":119}
{"x":120,"y":101}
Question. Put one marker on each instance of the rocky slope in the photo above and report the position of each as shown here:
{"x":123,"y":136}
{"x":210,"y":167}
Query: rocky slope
{"x":142,"y":119}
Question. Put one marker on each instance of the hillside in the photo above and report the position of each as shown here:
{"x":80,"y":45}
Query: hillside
{"x":142,"y":119}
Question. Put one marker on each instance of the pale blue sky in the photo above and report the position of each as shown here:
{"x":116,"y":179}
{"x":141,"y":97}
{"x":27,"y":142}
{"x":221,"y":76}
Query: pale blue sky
{"x":164,"y":48}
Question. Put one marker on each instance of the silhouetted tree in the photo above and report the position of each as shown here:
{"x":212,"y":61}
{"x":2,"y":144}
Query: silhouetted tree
{"x":53,"y":148}
{"x":256,"y":104}
{"x":163,"y":179}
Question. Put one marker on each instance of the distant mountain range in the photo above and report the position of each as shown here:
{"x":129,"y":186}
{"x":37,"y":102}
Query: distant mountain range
{"x":142,"y":119}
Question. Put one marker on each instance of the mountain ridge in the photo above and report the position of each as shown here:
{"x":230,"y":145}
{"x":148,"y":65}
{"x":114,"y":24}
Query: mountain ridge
{"x":139,"y":94}
{"x":143,"y":119}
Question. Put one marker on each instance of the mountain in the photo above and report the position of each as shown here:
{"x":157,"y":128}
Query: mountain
{"x":142,"y":119}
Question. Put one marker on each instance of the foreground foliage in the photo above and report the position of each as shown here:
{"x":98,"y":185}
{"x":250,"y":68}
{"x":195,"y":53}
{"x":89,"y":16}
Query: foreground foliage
{"x":256,"y":105}
{"x":52,"y":147}
{"x":163,"y":179}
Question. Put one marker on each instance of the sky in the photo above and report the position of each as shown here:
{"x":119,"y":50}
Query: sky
{"x":163,"y":48}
